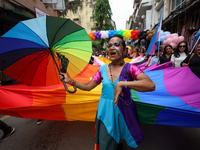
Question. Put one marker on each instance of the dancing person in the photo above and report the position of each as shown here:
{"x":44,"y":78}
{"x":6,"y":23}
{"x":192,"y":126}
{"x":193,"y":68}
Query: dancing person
{"x":193,"y":61}
{"x":116,"y":116}
{"x":7,"y":130}
{"x":166,"y":56}
{"x":180,"y":53}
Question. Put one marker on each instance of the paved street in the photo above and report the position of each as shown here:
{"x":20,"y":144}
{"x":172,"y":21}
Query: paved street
{"x":64,"y":135}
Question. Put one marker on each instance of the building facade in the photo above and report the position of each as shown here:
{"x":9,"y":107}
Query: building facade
{"x":14,"y":11}
{"x":83,"y":16}
{"x":179,"y":16}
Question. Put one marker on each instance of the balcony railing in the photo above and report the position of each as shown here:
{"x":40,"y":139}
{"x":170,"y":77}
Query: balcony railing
{"x":181,"y":5}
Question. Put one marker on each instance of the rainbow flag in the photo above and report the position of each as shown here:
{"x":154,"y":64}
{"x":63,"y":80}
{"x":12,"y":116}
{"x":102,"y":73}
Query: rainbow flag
{"x":175,"y":101}
{"x":156,"y":39}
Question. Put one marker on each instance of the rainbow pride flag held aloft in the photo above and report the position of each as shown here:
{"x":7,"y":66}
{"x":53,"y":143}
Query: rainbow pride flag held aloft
{"x":156,"y":38}
{"x":175,"y":101}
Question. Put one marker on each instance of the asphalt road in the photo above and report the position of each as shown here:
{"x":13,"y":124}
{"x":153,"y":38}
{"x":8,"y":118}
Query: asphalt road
{"x":64,"y":135}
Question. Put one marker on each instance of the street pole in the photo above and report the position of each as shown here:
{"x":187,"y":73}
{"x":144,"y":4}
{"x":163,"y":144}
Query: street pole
{"x":194,"y":45}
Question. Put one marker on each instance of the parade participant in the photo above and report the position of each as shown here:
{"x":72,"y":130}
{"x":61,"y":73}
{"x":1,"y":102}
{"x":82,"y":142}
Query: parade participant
{"x":92,"y":58}
{"x":116,"y":116}
{"x":166,"y":56}
{"x":133,"y":53}
{"x":7,"y":130}
{"x":180,"y":54}
{"x":141,"y":52}
{"x":155,"y":58}
{"x":193,"y":61}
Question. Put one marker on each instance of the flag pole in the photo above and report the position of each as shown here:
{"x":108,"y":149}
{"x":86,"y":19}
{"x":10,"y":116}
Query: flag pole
{"x":194,"y":45}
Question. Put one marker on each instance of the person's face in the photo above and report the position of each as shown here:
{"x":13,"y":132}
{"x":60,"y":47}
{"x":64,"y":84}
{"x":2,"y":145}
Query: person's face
{"x":198,"y":48}
{"x":115,"y":48}
{"x":182,"y":47}
{"x":168,"y":50}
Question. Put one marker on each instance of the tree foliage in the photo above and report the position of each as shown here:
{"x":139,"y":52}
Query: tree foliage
{"x":72,"y":6}
{"x":102,"y":15}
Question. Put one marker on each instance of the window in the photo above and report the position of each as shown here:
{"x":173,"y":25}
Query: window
{"x":91,"y":6}
{"x":91,"y":19}
{"x":177,"y":4}
{"x":160,"y":13}
{"x":76,"y":19}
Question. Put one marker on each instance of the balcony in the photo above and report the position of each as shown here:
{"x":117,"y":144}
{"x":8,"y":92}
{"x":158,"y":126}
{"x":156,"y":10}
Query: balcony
{"x":50,"y":1}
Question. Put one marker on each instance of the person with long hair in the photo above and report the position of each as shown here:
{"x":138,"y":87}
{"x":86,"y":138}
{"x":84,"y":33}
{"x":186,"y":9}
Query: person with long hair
{"x":193,"y":61}
{"x":166,"y":56}
{"x":180,"y":53}
{"x":116,"y":117}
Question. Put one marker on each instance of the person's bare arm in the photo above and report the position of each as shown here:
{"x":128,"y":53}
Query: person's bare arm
{"x":87,"y":86}
{"x":142,"y":84}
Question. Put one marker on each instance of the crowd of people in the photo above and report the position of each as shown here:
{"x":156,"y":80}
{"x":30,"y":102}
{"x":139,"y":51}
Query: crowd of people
{"x":179,"y":56}
{"x":118,"y":78}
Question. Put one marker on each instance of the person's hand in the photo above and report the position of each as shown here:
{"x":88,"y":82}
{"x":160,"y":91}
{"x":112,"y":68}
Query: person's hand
{"x":65,"y":77}
{"x":118,"y":90}
{"x":184,"y":64}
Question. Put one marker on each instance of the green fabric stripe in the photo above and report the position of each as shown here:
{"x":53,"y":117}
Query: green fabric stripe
{"x":147,"y":113}
{"x":134,"y":96}
{"x":103,"y":138}
{"x":57,"y":28}
{"x":80,"y":35}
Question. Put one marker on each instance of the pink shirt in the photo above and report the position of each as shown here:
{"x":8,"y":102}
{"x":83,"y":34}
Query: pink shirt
{"x":134,"y":71}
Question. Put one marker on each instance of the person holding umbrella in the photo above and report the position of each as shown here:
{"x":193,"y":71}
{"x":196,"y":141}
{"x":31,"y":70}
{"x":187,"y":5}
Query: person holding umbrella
{"x":116,"y":116}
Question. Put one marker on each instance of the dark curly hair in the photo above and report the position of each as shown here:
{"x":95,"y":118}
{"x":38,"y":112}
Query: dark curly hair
{"x":121,"y":37}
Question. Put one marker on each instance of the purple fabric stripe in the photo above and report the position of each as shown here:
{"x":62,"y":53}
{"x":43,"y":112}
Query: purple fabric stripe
{"x":183,"y":83}
{"x":129,"y":111}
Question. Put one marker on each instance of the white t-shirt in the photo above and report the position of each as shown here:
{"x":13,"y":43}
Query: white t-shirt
{"x":177,"y":61}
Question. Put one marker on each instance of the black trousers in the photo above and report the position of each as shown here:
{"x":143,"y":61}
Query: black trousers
{"x":4,"y":127}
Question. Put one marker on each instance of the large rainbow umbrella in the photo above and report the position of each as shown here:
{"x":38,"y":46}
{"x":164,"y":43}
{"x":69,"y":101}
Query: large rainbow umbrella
{"x":28,"y":52}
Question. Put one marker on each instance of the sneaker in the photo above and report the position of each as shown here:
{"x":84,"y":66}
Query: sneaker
{"x":6,"y":136}
{"x":39,"y":121}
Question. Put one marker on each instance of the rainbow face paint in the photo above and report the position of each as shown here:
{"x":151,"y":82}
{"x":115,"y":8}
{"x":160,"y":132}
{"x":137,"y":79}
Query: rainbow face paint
{"x":112,"y":46}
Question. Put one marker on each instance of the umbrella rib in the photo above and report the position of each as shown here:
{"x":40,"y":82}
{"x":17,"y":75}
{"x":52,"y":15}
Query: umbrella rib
{"x":58,"y":46}
{"x":65,"y":35}
{"x":37,"y":35}
{"x":41,"y":55}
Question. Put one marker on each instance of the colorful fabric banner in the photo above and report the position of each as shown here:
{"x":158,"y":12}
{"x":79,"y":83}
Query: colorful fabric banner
{"x":175,"y":101}
{"x":156,"y":39}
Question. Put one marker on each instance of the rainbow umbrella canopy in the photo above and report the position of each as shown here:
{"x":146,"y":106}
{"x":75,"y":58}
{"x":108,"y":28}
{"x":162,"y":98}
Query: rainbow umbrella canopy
{"x":28,"y":51}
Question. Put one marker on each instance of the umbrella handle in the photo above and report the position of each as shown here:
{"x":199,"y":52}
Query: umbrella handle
{"x":67,"y":88}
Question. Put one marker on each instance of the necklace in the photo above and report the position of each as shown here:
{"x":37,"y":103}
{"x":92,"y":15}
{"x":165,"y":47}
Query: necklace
{"x":121,"y":63}
{"x":109,"y":65}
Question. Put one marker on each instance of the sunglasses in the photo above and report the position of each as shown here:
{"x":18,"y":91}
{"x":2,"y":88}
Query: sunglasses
{"x":117,"y":44}
{"x":182,"y":46}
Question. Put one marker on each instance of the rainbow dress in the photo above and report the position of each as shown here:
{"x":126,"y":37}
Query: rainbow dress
{"x":114,"y":123}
